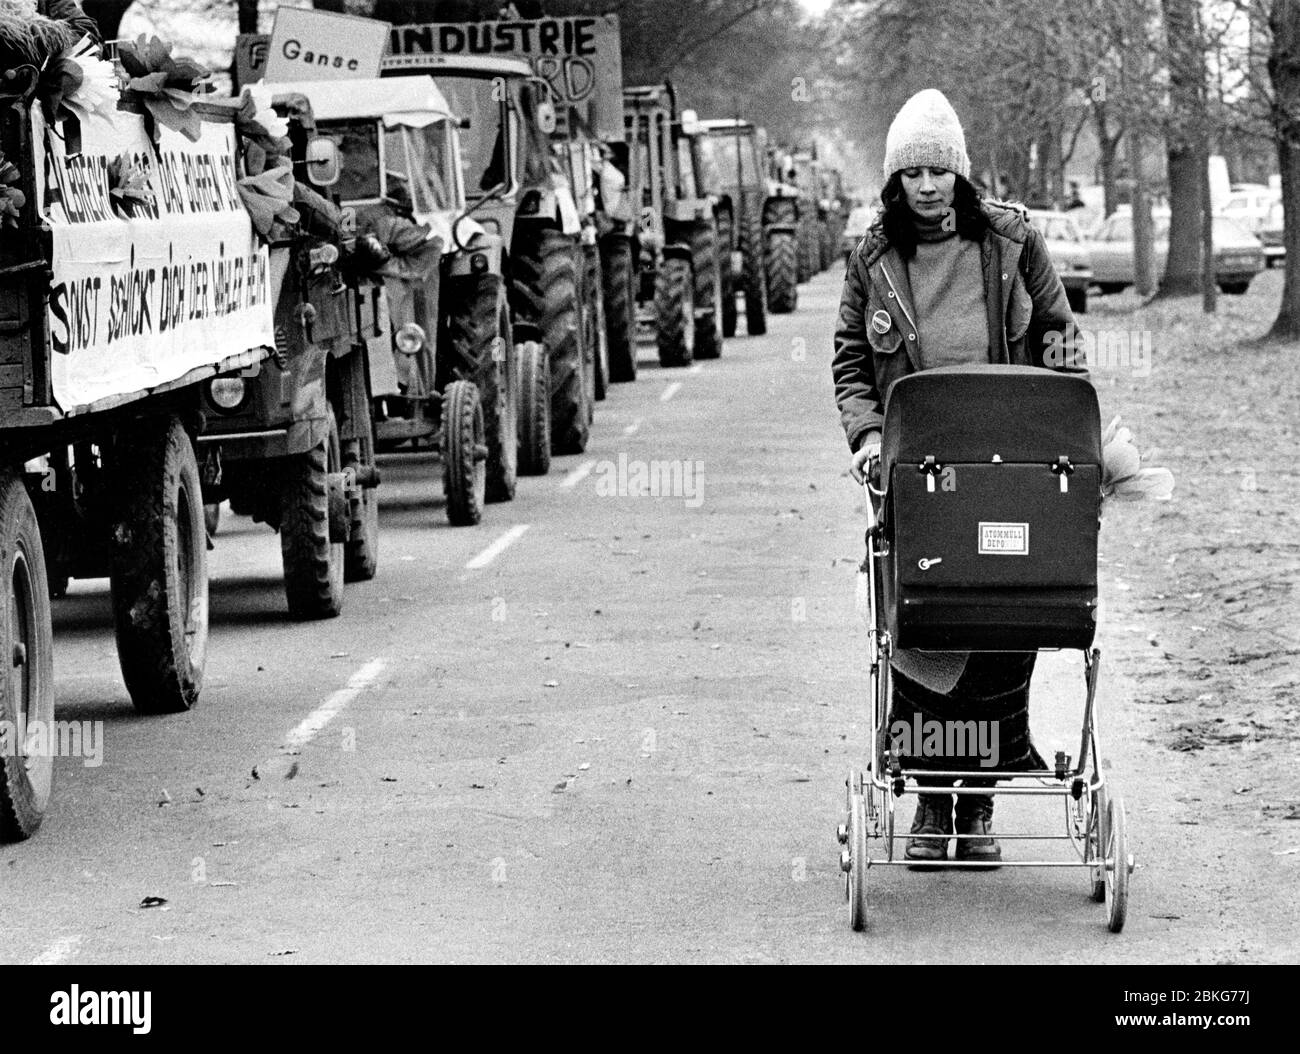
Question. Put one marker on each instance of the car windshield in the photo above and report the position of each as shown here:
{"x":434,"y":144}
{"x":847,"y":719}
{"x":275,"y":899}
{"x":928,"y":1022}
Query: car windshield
{"x":483,"y":144}
{"x":719,"y":154}
{"x":1120,"y":228}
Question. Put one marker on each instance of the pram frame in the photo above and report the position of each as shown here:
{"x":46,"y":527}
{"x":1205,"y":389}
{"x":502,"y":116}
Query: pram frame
{"x":1095,"y":824}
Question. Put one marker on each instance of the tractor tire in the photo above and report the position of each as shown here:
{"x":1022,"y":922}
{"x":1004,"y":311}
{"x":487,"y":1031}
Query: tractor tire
{"x":27,"y":687}
{"x":464,"y":454}
{"x":361,"y":553}
{"x":479,"y":329}
{"x":708,"y":291}
{"x":754,"y":279}
{"x":730,"y":280}
{"x":313,"y":561}
{"x":675,"y":312}
{"x":600,"y":334}
{"x":619,"y":274}
{"x":782,"y":266}
{"x":158,"y":567}
{"x":546,"y":295}
{"x":534,"y":409}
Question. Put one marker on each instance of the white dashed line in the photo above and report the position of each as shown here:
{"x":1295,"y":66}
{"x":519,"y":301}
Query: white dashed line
{"x":311,"y":725}
{"x":670,"y":391}
{"x":578,"y":475}
{"x":634,"y":427}
{"x":57,"y":952}
{"x":498,"y":547}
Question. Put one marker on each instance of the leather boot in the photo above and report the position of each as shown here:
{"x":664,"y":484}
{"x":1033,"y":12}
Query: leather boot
{"x":975,"y":817}
{"x":931,"y":828}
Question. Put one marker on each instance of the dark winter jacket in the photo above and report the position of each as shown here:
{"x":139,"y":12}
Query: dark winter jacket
{"x":1023,"y":296}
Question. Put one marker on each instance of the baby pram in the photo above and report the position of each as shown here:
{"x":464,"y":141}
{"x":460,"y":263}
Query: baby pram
{"x":984,"y":511}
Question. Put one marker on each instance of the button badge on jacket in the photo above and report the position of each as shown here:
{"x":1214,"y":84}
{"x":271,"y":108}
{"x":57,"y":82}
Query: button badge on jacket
{"x":881,"y":321}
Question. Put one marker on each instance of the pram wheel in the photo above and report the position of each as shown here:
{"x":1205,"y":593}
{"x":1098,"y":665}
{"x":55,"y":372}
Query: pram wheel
{"x":857,"y":876}
{"x":1094,"y":851}
{"x":1117,"y":872}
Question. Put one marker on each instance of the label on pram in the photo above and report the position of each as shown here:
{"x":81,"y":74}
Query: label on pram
{"x":1004,"y":539}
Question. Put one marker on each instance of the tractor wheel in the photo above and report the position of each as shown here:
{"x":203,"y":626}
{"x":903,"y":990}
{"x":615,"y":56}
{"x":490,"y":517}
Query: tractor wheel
{"x":619,"y":276}
{"x":675,"y":312}
{"x":479,"y":327}
{"x":546,"y":295}
{"x":708,"y":291}
{"x":754,"y":280}
{"x":361,"y":554}
{"x":600,"y":330}
{"x":158,"y":567}
{"x":726,"y":241}
{"x":464,"y":453}
{"x":782,"y":272}
{"x":534,"y":409}
{"x":313,"y":560}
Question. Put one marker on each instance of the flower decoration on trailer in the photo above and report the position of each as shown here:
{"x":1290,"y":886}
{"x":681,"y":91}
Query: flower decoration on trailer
{"x":12,"y":199}
{"x":167,"y":86}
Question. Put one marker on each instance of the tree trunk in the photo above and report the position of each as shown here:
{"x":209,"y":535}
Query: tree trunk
{"x":1209,"y":290}
{"x":247,"y":16}
{"x":1144,"y":264}
{"x":1284,"y":73}
{"x":1106,"y":159}
{"x":1186,"y":76}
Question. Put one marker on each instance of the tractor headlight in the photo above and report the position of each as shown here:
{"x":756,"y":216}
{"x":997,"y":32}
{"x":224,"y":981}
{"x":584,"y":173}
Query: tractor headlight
{"x":227,"y":394}
{"x":410,"y":339}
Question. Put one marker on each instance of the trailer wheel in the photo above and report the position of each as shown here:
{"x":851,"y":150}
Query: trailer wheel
{"x":727,"y":239}
{"x":534,"y":409}
{"x":708,"y":291}
{"x":546,"y":294}
{"x":464,"y":454}
{"x":27,"y":687}
{"x":754,"y":279}
{"x":479,"y":326}
{"x":159,"y":568}
{"x":675,"y":312}
{"x":313,"y":561}
{"x":620,"y":308}
{"x":782,"y":272}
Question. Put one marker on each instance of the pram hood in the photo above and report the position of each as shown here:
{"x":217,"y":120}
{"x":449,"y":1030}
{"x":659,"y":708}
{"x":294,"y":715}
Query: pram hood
{"x":971,"y":413}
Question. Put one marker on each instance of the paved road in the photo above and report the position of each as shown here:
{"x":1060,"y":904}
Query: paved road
{"x":622,"y":737}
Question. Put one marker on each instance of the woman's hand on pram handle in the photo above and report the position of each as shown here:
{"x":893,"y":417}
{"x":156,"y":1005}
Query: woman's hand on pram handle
{"x":861,"y":467}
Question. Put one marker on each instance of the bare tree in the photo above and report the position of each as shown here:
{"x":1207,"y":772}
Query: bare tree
{"x":1284,"y":75}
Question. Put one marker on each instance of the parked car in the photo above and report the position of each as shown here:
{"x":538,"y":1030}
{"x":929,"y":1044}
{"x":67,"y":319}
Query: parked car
{"x":1271,"y":235}
{"x":1069,"y":249}
{"x":1248,"y":205}
{"x":855,"y":228}
{"x":1238,"y":254}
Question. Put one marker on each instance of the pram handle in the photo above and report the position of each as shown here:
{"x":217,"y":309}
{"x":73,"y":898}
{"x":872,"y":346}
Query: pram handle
{"x":872,"y":493}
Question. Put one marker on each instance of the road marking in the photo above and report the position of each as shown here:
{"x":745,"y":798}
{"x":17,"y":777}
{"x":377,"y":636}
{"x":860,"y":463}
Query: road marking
{"x":499,"y":546}
{"x":578,"y":474}
{"x":670,"y":391}
{"x":634,"y":427}
{"x":57,"y":952}
{"x":697,"y":368}
{"x":311,"y":725}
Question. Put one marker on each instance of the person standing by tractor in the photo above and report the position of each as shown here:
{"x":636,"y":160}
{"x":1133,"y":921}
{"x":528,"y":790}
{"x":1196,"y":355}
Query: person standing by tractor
{"x":942,"y":278}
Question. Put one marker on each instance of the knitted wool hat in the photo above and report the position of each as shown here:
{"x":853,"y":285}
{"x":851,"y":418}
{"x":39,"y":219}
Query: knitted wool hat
{"x":926,"y":134}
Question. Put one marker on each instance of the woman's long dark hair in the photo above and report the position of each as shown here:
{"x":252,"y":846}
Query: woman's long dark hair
{"x":899,"y":221}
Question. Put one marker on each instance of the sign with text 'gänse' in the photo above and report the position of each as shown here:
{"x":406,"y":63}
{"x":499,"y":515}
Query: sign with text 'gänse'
{"x":309,"y":45}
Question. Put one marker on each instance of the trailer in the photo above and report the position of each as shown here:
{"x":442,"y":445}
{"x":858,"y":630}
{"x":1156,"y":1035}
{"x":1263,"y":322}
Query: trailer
{"x":130,"y":278}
